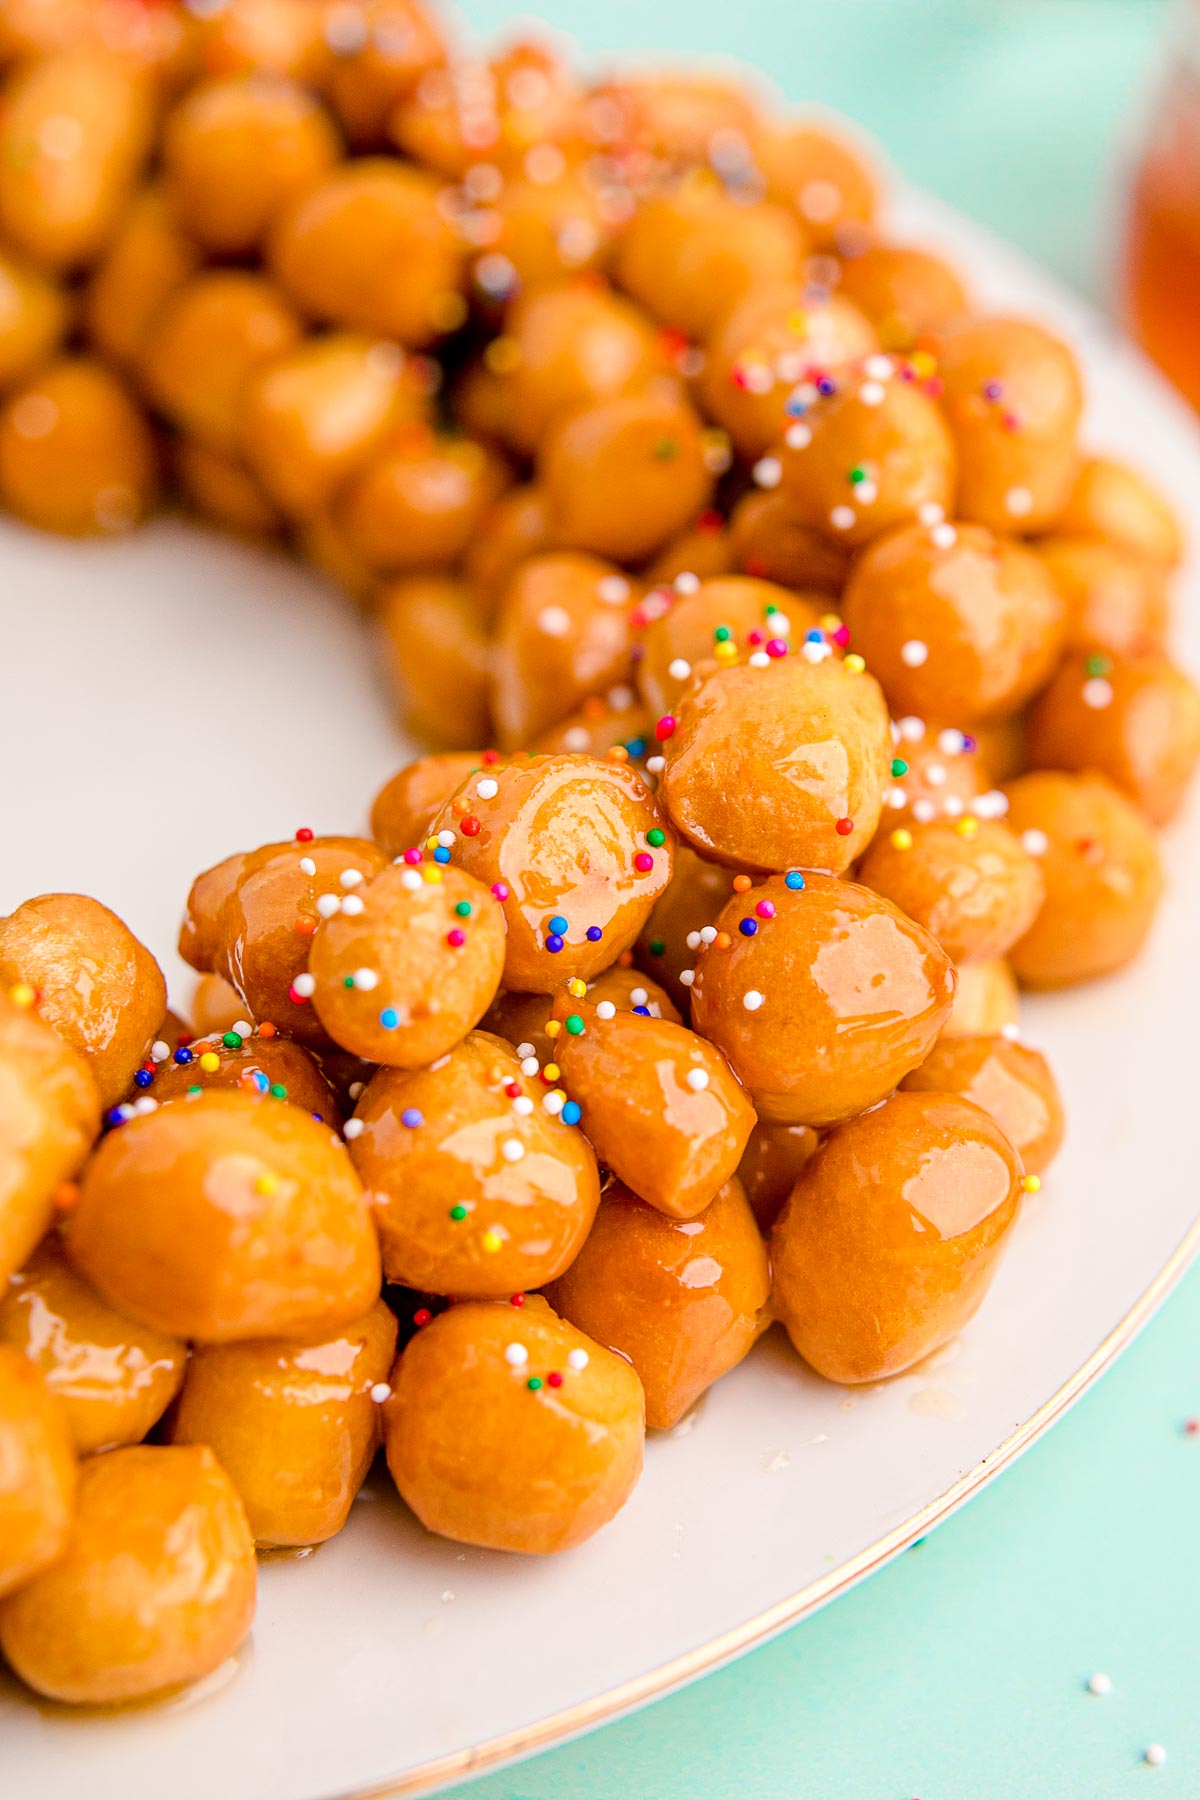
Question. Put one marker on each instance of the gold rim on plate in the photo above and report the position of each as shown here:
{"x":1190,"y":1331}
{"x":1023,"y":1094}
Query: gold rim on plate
{"x":602,"y":1708}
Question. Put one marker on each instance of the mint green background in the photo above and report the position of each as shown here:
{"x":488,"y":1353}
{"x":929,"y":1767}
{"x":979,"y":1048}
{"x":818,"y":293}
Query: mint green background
{"x":959,"y":1673}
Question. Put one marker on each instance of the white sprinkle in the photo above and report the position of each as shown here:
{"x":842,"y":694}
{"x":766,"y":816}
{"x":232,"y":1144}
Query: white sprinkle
{"x":930,"y":513}
{"x":522,"y":1106}
{"x":708,"y":934}
{"x":530,"y":1065}
{"x":879,"y":368}
{"x":935,"y":774}
{"x":768,"y":471}
{"x":1019,"y":502}
{"x":923,"y":811}
{"x":525,"y":1049}
{"x":555,"y":621}
{"x":554,"y":1101}
{"x":356,"y":1089}
{"x":820,"y":201}
{"x":951,"y":742}
{"x":1035,"y":842}
{"x":307,"y":866}
{"x":686,"y":977}
{"x":352,"y":905}
{"x":781,"y":625}
{"x":488,"y":789}
{"x":516,"y":1356}
{"x":1156,"y":1756}
{"x":912,"y":730}
{"x":871,"y":393}
{"x":693,"y":940}
{"x":365,"y":979}
{"x":897,"y":798}
{"x":799,"y":436}
{"x":512,"y":1150}
{"x":639,"y":996}
{"x":914,"y":653}
{"x":1011,"y":1031}
{"x":680,"y":669}
{"x":380,"y":1392}
{"x":752,"y":999}
{"x":944,"y":537}
{"x":446,"y":840}
{"x":952,"y":805}
{"x":759,"y":660}
{"x":816,"y":652}
{"x":697,"y":1080}
{"x":243,"y":1028}
{"x":687,"y":582}
{"x":620,"y":697}
{"x":606,"y":1010}
{"x":411,"y":881}
{"x":305,"y":985}
{"x":576,"y":738}
{"x":655,"y":765}
{"x":350,"y":878}
{"x":842,"y":518}
{"x":577,"y":1359}
{"x":613,"y":590}
{"x":146,"y":1104}
{"x":353,"y":1128}
{"x":328,"y":904}
{"x":159,"y":1051}
{"x":866,"y":493}
{"x":1097,"y":693}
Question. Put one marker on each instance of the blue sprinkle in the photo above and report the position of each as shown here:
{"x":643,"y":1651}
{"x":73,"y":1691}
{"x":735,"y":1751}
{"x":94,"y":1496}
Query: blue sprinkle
{"x":594,"y":934}
{"x":636,"y":746}
{"x":794,"y":879}
{"x":389,"y":1018}
{"x":796,"y":409}
{"x":262,"y":1082}
{"x":559,"y":925}
{"x":412,"y":1118}
{"x":643,"y":1010}
{"x":814,"y":637}
{"x":114,"y":1116}
{"x":571,"y":1113}
{"x":143,"y":1078}
{"x":826,"y":386}
{"x":748,"y":927}
{"x":182,"y":1055}
{"x":554,"y":943}
{"x":441,"y":854}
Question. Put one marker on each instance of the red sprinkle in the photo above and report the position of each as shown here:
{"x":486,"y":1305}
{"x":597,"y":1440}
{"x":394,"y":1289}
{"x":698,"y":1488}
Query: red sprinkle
{"x":469,"y":826}
{"x":422,"y":1316}
{"x":754,"y":637}
{"x":517,"y":1300}
{"x":304,"y":835}
{"x":643,"y":862}
{"x":554,"y":1379}
{"x":844,"y":827}
{"x":513,"y":1089}
{"x":456,"y":938}
{"x":491,"y":756}
{"x":1192,"y":1428}
{"x":665,"y":728}
{"x":710,"y":521}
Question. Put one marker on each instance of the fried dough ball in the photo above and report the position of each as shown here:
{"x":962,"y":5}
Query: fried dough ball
{"x":892,"y":1235}
{"x":1118,"y":505}
{"x":953,"y":611}
{"x":778,"y":767}
{"x":267,"y":1065}
{"x":264,"y":908}
{"x":494,"y":112}
{"x":521,"y":1019}
{"x":623,"y":476}
{"x":224,"y":1219}
{"x":37,"y":1473}
{"x":216,"y":1006}
{"x":556,"y":1433}
{"x":766,"y":541}
{"x":771,"y":1162}
{"x":936,"y":774}
{"x":733,"y":610}
{"x":678,"y":116}
{"x":477,"y":1188}
{"x":322,"y":542}
{"x":49,"y":1118}
{"x":113,"y":1378}
{"x":206,"y":342}
{"x":1013,"y":397}
{"x":688,"y":256}
{"x":34,"y":316}
{"x":236,"y":151}
{"x":223,"y":490}
{"x":155,"y":1586}
{"x":512,"y":528}
{"x":661,"y":1107}
{"x":437,"y":658}
{"x":985,"y":1002}
{"x":562,"y":632}
{"x":564,"y":347}
{"x":599,"y":724}
{"x":547,"y":230}
{"x":314,"y":415}
{"x":1001,"y":746}
{"x":403,"y":977}
{"x":971,"y":884}
{"x":1114,"y":601}
{"x":1008,"y":1080}
{"x":666,"y":948}
{"x":581,"y":851}
{"x":1103,"y":875}
{"x":75,"y":130}
{"x":99,"y":988}
{"x":263,"y":37}
{"x":377,"y":54}
{"x":766,"y":347}
{"x":868,"y":450}
{"x":294,"y":1425}
{"x":416,"y":502}
{"x":822,"y":174}
{"x":368,"y":247}
{"x":76,"y":455}
{"x":822,"y":996}
{"x":406,"y":806}
{"x":154,"y":39}
{"x":1135,"y":719}
{"x":905,"y":292}
{"x":685,"y":1303}
{"x":702,"y":549}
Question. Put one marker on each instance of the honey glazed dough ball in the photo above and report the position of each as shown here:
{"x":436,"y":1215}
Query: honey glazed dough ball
{"x":867,"y":449}
{"x":675,"y":116}
{"x":514,"y":527}
{"x":406,"y":805}
{"x":905,"y":291}
{"x":112,"y":1378}
{"x":480,"y":1184}
{"x":200,"y":942}
{"x":936,"y":773}
{"x":1103,"y":876}
{"x":953,"y":613}
{"x":1013,"y":396}
{"x":375,"y":57}
{"x":702,"y":549}
{"x":684,"y":1302}
{"x":147,"y":260}
{"x":667,"y":945}
{"x":771,"y":1162}
{"x":660,"y":1106}
{"x":625,"y":475}
{"x":155,"y":1586}
{"x":823,"y":174}
{"x":1008,"y":1080}
{"x":546,"y":230}
{"x":265,"y":37}
{"x":37,"y":1473}
{"x":970,"y":883}
{"x":415,"y":503}
{"x":563,"y":632}
{"x":576,"y":849}
{"x":406,"y":975}
{"x":34,"y":314}
{"x":1119,"y":506}
{"x":778,"y":767}
{"x":766,"y":347}
{"x":236,"y":150}
{"x":717,"y":621}
{"x":767,"y":541}
{"x":261,"y":1064}
{"x":614,"y":721}
{"x":215,"y":1007}
{"x":821,"y":994}
{"x":294,"y":1424}
{"x":223,"y":1218}
{"x":1135,"y":719}
{"x":556,"y":1425}
{"x":986,"y":1000}
{"x":49,"y":1118}
{"x":521,"y":1019}
{"x":495,"y":112}
{"x":222,"y":489}
{"x":893,"y":1234}
{"x":76,"y":455}
{"x":368,"y":247}
{"x":99,"y":988}
{"x":1113,"y":600}
{"x":437,"y":657}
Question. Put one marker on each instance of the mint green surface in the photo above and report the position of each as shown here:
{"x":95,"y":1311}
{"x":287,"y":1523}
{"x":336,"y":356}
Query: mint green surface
{"x":959,"y":1672}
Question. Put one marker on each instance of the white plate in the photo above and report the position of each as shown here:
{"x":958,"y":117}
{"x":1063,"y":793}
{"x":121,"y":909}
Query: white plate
{"x":176,"y":697}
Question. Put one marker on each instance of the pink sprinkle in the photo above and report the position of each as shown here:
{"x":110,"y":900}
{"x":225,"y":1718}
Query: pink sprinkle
{"x":643,"y":862}
{"x":665,"y":728}
{"x":456,"y":938}
{"x":841,"y":636}
{"x":412,"y":856}
{"x":754,"y":637}
{"x":777,"y":647}
{"x":500,"y":890}
{"x":765,"y":909}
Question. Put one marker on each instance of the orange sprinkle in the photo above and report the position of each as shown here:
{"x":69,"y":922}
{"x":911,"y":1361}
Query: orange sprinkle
{"x":740,"y":883}
{"x":305,"y":927}
{"x":266,"y":1030}
{"x":625,"y":960}
{"x":66,"y":1196}
{"x":722,"y":940}
{"x":616,"y":753}
{"x":594,"y":707}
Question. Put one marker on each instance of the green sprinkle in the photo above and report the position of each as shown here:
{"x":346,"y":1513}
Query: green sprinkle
{"x":857,"y":474}
{"x":463,"y":909}
{"x":657,"y":946}
{"x":194,"y":1090}
{"x":278,"y":1091}
{"x":722,"y":634}
{"x":534,"y":1383}
{"x":1097,"y":665}
{"x":348,"y":981}
{"x":770,"y":608}
{"x":899,"y":767}
{"x":656,"y":838}
{"x":459,"y":1212}
{"x":232,"y":1040}
{"x":666,"y":450}
{"x":574,"y":1025}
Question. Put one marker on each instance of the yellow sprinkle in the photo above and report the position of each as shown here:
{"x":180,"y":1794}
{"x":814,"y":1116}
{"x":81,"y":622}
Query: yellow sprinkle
{"x":967,"y":827}
{"x":1031,"y":1184}
{"x":266,"y":1184}
{"x":576,"y":988}
{"x":830,"y":622}
{"x":491,"y":1241}
{"x":433,"y":875}
{"x":552,"y":1071}
{"x":210,"y":1062}
{"x":553,"y":1028}
{"x":854,"y":663}
{"x":797,"y":323}
{"x":922,"y":363}
{"x":902,"y":840}
{"x":431,"y":843}
{"x":727,"y":652}
{"x":22,"y":994}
